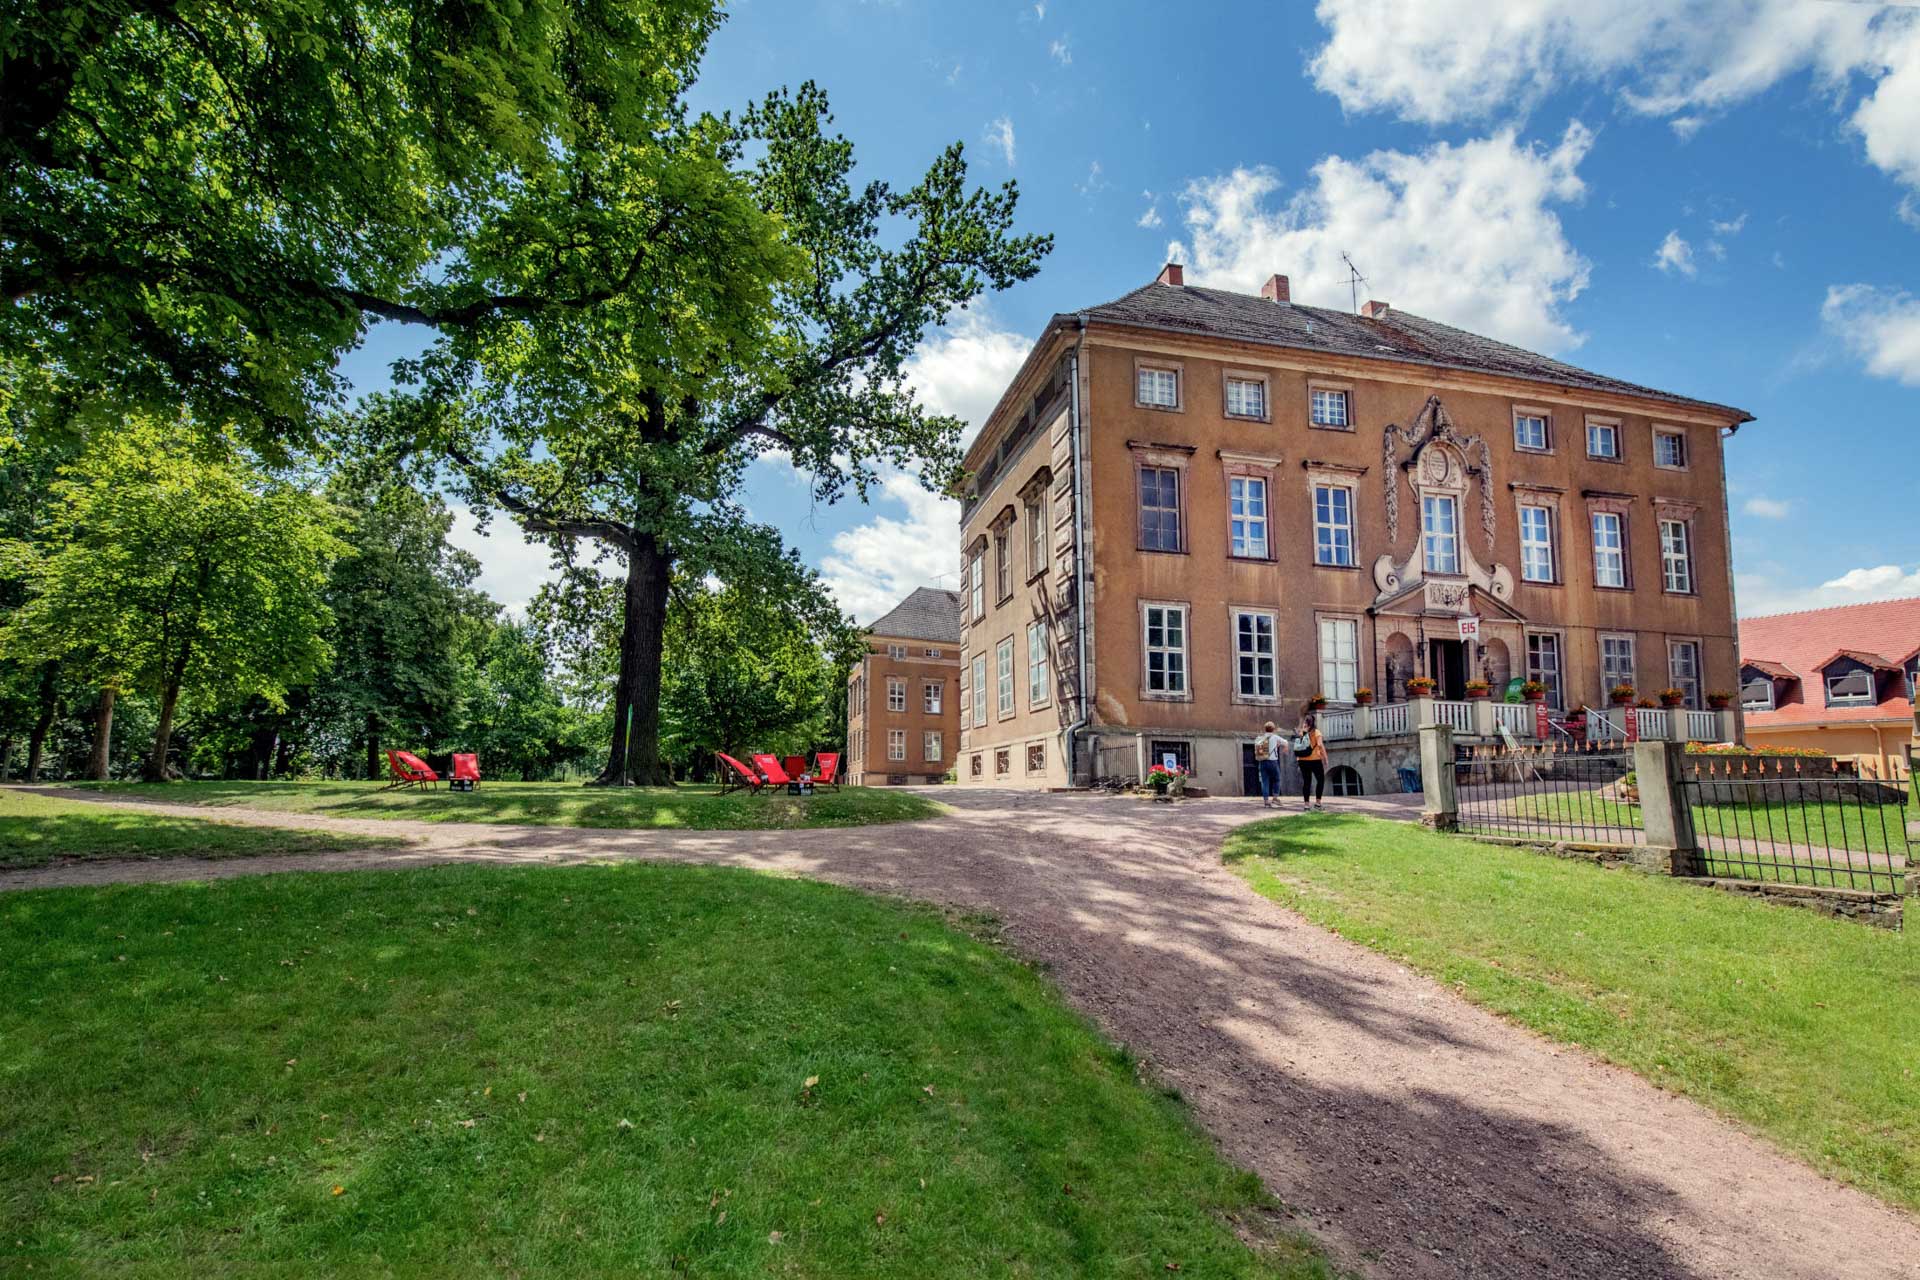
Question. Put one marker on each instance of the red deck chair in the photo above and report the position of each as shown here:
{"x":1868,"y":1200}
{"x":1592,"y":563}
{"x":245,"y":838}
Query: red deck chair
{"x":409,"y":770}
{"x":466,"y":772}
{"x":794,"y":765}
{"x":735,"y":776}
{"x":826,"y":769}
{"x":771,"y":768}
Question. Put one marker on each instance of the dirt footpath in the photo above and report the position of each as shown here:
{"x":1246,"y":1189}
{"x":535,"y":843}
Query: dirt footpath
{"x":1415,"y":1134}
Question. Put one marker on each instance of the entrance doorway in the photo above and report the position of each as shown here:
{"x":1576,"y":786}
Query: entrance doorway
{"x":1447,"y":663}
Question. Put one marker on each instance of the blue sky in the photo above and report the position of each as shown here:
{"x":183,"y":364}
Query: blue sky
{"x":1719,"y":198}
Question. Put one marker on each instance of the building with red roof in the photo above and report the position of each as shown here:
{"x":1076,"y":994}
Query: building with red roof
{"x":1839,"y":680}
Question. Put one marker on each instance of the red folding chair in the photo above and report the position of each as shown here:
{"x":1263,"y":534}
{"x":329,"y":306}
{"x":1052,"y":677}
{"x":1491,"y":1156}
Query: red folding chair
{"x":409,"y":770}
{"x":466,"y":772}
{"x":826,"y":769}
{"x":772,"y":770}
{"x":794,"y":765}
{"x":736,"y":776}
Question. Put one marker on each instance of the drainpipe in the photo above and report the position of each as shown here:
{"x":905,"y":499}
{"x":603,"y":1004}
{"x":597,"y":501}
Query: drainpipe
{"x":1079,"y":551}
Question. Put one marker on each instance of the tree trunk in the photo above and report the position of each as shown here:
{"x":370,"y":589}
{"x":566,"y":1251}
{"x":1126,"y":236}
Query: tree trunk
{"x":633,"y":757}
{"x":49,"y":705}
{"x":6,"y":756}
{"x":373,"y":744}
{"x":156,"y":769}
{"x":100,"y":758}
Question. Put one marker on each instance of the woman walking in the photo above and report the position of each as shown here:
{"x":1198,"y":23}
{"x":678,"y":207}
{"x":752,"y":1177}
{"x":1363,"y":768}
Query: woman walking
{"x":1310,"y":753}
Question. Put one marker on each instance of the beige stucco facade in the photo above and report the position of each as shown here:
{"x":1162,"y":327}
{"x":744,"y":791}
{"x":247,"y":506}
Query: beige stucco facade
{"x":902,"y":724}
{"x":1073,"y":447}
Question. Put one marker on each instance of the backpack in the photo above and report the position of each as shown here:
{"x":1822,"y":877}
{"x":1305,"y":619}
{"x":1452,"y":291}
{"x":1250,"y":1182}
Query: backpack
{"x":1301,"y":744}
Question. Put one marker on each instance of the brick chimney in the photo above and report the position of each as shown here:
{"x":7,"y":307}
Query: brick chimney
{"x":1276,"y":289}
{"x":1374,"y":310}
{"x":1170,"y":274}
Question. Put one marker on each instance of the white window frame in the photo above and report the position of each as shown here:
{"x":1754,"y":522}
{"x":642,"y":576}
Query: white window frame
{"x":1676,"y":557}
{"x":1609,"y":560}
{"x":1156,"y":386}
{"x":1545,"y":420}
{"x":1538,"y":643}
{"x":977,"y":589}
{"x":1002,"y":568}
{"x":933,"y":695}
{"x":932,"y":747}
{"x":1872,"y":695}
{"x":1663,"y":434}
{"x":1257,"y":410}
{"x":933,"y":653}
{"x":1003,"y":677}
{"x":898,"y":652}
{"x":1326,"y":529}
{"x":896,"y":694}
{"x":1037,"y":533}
{"x":1247,"y":659}
{"x":1435,"y":541}
{"x":896,"y":744}
{"x":1610,"y":666}
{"x":1339,"y":675}
{"x":1611,"y":428}
{"x":1175,"y":620}
{"x":1536,"y":545}
{"x":1330,"y":408}
{"x":1247,"y":533}
{"x":1773,"y":694}
{"x":1039,"y":691}
{"x":1687,"y":684}
{"x":979,"y":690}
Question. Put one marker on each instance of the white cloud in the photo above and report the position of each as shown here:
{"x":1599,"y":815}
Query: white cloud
{"x":1767,"y":508}
{"x":1732,"y":228}
{"x":1675,"y":254}
{"x":1096,"y":181}
{"x":1151,"y":218}
{"x":914,"y":538}
{"x":999,"y":134}
{"x":1061,"y":52}
{"x":512,"y":569}
{"x":1764,"y":593}
{"x":1448,"y":61}
{"x":1462,"y":233}
{"x":1881,"y":326}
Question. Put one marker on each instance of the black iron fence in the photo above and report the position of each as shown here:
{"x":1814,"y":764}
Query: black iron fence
{"x":1800,"y":821}
{"x":1574,"y":793}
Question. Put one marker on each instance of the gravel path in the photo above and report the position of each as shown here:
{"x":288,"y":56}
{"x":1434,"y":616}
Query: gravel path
{"x":1416,"y":1135}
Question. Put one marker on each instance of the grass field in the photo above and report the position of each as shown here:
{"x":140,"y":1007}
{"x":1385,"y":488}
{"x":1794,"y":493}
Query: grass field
{"x":560,"y":804}
{"x":638,"y":1070}
{"x":1802,"y":1026}
{"x":38,"y":829}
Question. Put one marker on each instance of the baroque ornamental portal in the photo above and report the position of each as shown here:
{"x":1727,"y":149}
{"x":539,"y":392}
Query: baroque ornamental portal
{"x":1439,"y":468}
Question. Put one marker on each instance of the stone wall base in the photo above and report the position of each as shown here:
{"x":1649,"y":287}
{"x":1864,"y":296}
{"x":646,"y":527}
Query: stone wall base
{"x":1881,"y":910}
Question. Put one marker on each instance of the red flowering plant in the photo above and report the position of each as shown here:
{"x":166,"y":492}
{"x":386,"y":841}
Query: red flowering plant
{"x":1162,"y":779}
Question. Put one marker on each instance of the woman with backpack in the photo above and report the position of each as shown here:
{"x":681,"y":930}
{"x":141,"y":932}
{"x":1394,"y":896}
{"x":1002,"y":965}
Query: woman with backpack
{"x":1310,"y":753}
{"x":1266,"y":755}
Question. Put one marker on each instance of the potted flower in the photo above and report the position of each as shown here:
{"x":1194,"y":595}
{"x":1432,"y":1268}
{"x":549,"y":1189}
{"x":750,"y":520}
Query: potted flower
{"x":1533,"y":691}
{"x":1720,"y":701}
{"x":1421,"y":686}
{"x":1318,"y":702}
{"x":1363,"y":696}
{"x":1622,"y":695}
{"x":1165,"y":783}
{"x":1645,"y":704}
{"x":1671,"y":698}
{"x":1479,"y":689}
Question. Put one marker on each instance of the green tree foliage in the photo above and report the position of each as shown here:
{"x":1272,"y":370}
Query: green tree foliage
{"x":516,"y":720}
{"x":180,"y":567}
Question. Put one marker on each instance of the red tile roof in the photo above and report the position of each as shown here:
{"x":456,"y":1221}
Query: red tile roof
{"x":1804,"y":642}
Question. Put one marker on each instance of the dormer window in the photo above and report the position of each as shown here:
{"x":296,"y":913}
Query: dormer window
{"x":1757,"y":694}
{"x":1852,"y":688}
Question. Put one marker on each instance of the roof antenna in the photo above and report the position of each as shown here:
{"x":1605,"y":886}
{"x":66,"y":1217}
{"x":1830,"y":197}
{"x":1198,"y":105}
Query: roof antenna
{"x":1355,"y":280}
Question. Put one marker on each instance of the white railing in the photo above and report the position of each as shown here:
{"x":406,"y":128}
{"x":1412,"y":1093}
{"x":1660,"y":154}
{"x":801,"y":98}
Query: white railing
{"x":1655,"y":724}
{"x":1457,"y":716}
{"x":1337,"y":725}
{"x":1393,"y":718}
{"x":1703,"y":726}
{"x":1606,"y":726}
{"x":1516,"y":718}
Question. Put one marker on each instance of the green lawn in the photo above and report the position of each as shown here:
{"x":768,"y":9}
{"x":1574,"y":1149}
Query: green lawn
{"x":559,"y":804}
{"x":629,"y":1069}
{"x":37,"y":829}
{"x":1802,"y":1026}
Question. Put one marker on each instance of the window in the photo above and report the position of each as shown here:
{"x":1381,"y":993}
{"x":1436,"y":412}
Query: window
{"x":1247,"y":497}
{"x":1757,"y":694}
{"x":1616,"y":662}
{"x":1037,"y":533}
{"x":1683,"y":670}
{"x":1002,"y":569}
{"x":1036,"y":757}
{"x":1854,"y":687}
{"x":977,"y":586}
{"x":1543,"y":664}
{"x":965,"y":690}
{"x":1036,"y":664}
{"x":1003,"y":676}
{"x":1603,"y":440}
{"x":1246,"y":398}
{"x":1166,"y":626}
{"x":1439,"y":529}
{"x":931,"y":693}
{"x":1329,"y":408}
{"x":973,"y":766}
{"x":896,"y":744}
{"x":1182,"y":753}
{"x":979,"y":689}
{"x":1343,"y":780}
{"x":1530,"y":432}
{"x":1332,"y":524}
{"x":1159,"y":388}
{"x":896,"y":651}
{"x":1676,"y":557}
{"x":1536,"y":544}
{"x":1002,"y":762}
{"x":1253,"y":655}
{"x":1609,"y":549}
{"x":1339,"y":658}
{"x":1913,"y":681}
{"x":896,"y":693}
{"x":1670,"y":450}
{"x":1159,"y":509}
{"x":933,"y":653}
{"x":931,"y":746}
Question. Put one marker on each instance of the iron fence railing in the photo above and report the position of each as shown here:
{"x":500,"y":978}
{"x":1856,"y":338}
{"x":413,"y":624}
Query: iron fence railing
{"x":1801,"y":821}
{"x":1551,"y":792}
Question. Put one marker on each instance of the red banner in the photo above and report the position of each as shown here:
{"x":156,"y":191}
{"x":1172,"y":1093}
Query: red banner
{"x":1540,"y":727}
{"x":1633,"y":723}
